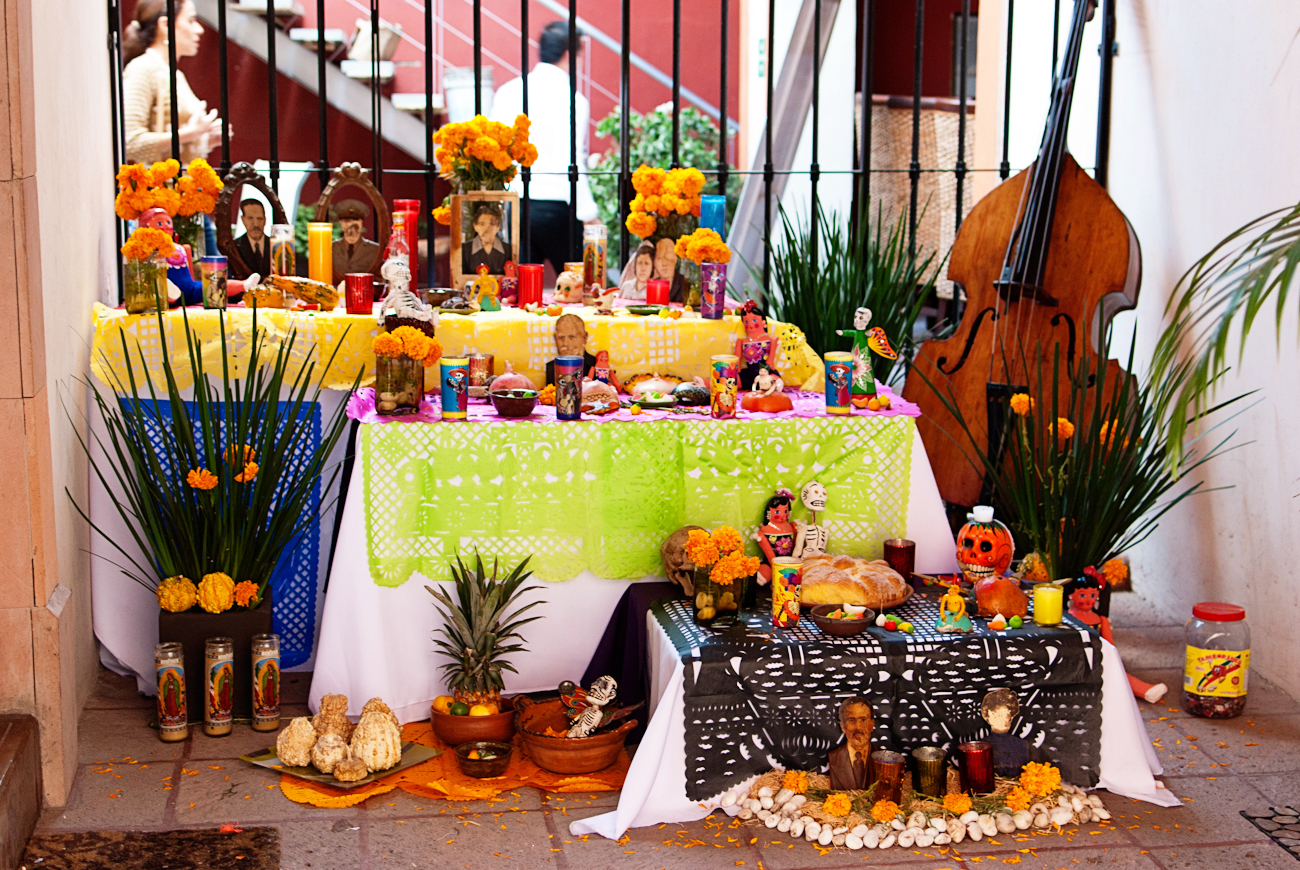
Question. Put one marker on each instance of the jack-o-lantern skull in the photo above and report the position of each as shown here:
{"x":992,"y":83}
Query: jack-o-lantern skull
{"x":984,"y":546}
{"x":677,"y":565}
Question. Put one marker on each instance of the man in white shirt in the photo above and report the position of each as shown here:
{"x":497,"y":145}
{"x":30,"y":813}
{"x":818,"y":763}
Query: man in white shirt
{"x":549,"y":216}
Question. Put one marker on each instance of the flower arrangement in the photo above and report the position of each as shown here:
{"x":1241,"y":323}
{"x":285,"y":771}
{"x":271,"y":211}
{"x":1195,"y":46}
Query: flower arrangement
{"x":795,"y":780}
{"x":722,"y":552}
{"x":145,"y":244}
{"x":198,"y":189}
{"x":703,"y":246}
{"x":883,"y":811}
{"x":838,"y":804}
{"x":140,"y":188}
{"x":1019,"y":799}
{"x":409,"y":342}
{"x":956,"y":803}
{"x":667,"y":202}
{"x":1040,"y":780}
{"x":479,"y":154}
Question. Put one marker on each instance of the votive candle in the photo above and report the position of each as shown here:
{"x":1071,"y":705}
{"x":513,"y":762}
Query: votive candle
{"x":656,"y":292}
{"x":1048,"y":599}
{"x":530,"y":284}
{"x":320,"y":252}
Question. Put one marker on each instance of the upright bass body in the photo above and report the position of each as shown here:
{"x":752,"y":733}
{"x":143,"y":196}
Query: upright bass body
{"x":1093,"y":270}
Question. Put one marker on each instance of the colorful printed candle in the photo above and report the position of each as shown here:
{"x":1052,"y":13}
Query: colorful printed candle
{"x":219,"y":672}
{"x":594,"y":242}
{"x":320,"y":252}
{"x":787,"y":571}
{"x":713,"y":290}
{"x":213,"y":272}
{"x":1047,"y":604}
{"x":455,"y":387}
{"x":839,"y":380}
{"x":723,"y":386}
{"x":568,"y":387}
{"x":173,"y":714}
{"x":266,"y":682}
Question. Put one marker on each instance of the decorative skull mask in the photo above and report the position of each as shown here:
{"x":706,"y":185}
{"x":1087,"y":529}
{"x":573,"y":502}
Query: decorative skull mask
{"x":862,"y":318}
{"x":677,"y":567}
{"x":984,"y":546}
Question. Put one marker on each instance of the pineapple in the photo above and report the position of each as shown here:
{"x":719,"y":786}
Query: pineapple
{"x":477,"y":633}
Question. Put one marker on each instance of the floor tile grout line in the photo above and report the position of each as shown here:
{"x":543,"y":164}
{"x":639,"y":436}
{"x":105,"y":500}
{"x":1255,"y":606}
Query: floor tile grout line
{"x":363,"y":840}
{"x":557,"y":838}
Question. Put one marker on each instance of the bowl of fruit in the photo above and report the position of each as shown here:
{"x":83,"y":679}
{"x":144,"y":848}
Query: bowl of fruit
{"x":842,"y":620}
{"x":456,"y":722}
{"x":483,"y":758}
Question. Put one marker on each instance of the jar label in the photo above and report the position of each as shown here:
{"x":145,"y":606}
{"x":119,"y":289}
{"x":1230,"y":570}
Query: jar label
{"x":221,"y":690}
{"x":266,"y":687}
{"x":172,"y":715}
{"x":1216,"y":673}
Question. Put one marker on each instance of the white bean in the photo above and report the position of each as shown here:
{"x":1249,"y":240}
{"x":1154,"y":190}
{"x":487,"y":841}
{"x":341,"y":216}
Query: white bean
{"x":925,"y":838}
{"x":888,"y":841}
{"x":745,"y":813}
{"x":767,"y":802}
{"x":765,"y":791}
{"x":825,"y":836}
{"x":987,"y":825}
{"x":942,"y":839}
{"x":1023,"y":820}
{"x":975,"y":832}
{"x":969,"y":816}
{"x":871,"y":839}
{"x":1004,"y":823}
{"x":796,"y":828}
{"x":916,"y":820}
{"x":838,"y":839}
{"x":772,"y":820}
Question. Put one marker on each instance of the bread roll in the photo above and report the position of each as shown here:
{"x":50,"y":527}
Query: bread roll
{"x":845,"y":580}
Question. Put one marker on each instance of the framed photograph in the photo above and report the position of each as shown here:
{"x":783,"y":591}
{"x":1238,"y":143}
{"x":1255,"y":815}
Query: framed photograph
{"x":357,"y":209}
{"x":251,"y":250}
{"x":484,"y":232}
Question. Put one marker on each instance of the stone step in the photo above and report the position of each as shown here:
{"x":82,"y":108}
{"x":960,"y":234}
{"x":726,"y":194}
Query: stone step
{"x":20,"y":785}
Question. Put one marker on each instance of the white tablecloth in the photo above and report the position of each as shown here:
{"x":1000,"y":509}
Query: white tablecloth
{"x":655,"y":789}
{"x":377,"y":641}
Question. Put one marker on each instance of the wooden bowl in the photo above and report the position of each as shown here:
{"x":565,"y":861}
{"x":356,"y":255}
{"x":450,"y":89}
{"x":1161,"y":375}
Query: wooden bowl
{"x":483,"y":768}
{"x":513,"y":403}
{"x":567,"y":755}
{"x":841,"y":627}
{"x":455,"y":730}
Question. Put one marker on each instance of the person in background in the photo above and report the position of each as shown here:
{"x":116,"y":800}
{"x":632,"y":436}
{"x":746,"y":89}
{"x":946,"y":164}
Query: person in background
{"x":146,"y":87}
{"x":549,"y":220}
{"x":253,"y":245}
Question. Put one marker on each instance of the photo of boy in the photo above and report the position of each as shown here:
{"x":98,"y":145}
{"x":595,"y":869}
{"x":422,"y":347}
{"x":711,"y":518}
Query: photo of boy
{"x":484,"y":244}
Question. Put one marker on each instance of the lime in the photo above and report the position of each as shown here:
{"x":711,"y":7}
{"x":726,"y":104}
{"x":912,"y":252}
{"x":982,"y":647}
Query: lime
{"x":1015,"y":622}
{"x":459,"y":709}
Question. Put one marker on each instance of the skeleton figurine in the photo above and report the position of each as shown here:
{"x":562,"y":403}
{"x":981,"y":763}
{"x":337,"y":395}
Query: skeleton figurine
{"x":677,"y":565}
{"x":590,"y":712}
{"x":811,"y":539}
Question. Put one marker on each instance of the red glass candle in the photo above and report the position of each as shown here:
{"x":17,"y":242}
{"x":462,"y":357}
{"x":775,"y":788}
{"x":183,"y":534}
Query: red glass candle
{"x":530,"y":284}
{"x":360,"y":287}
{"x":656,"y":292}
{"x":976,"y":767}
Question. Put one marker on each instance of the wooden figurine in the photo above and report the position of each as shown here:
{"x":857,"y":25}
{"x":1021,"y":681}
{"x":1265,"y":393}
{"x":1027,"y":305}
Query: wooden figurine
{"x":850,"y":764}
{"x":1082,"y":594}
{"x":776,"y":536}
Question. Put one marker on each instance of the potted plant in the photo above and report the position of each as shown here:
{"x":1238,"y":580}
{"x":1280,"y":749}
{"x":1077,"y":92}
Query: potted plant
{"x":480,"y":629}
{"x":213,"y":488}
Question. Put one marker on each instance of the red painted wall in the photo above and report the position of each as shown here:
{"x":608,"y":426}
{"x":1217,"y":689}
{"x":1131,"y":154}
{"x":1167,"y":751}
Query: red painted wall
{"x":895,"y":43}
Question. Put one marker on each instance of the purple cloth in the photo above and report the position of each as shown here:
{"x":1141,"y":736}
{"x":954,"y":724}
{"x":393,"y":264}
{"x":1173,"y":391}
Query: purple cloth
{"x":361,"y":407}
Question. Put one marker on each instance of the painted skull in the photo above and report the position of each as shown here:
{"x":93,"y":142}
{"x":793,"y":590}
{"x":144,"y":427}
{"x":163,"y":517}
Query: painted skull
{"x":813,"y":496}
{"x":677,"y":566}
{"x":984,"y":546}
{"x":603,"y":690}
{"x":861,"y":318}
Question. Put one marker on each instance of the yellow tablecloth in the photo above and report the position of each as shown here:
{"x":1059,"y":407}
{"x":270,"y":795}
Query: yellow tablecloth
{"x":635,"y":344}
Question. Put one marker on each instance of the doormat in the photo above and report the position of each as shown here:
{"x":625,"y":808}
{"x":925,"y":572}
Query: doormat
{"x":211,"y":849}
{"x":1282,"y":824}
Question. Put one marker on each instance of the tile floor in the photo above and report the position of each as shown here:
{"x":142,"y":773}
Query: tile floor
{"x":127,"y":779}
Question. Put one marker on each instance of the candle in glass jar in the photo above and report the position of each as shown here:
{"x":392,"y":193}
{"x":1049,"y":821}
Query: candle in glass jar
{"x":320,"y":252}
{"x":283,"y":257}
{"x":173,"y":715}
{"x":530,"y":284}
{"x":1048,"y":600}
{"x":266,"y":682}
{"x":219,"y":693}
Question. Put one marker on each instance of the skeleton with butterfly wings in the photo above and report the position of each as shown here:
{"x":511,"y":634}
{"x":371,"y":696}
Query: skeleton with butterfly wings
{"x":865,"y":341}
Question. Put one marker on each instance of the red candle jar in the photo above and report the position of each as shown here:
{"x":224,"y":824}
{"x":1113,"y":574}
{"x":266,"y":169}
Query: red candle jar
{"x":530,"y":284}
{"x":360,"y":288}
{"x":976,"y":767}
{"x":656,"y":292}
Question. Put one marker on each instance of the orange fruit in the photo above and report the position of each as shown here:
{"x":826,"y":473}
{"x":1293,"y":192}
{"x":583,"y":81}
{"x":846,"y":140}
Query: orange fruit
{"x":873,"y":405}
{"x":482,"y":710}
{"x":442,"y":703}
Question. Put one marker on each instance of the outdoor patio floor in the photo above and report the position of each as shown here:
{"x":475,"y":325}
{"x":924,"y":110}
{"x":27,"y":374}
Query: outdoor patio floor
{"x":126,"y":775}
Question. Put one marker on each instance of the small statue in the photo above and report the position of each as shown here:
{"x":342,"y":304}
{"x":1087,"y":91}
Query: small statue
{"x":602,"y":372}
{"x":757,"y":349}
{"x":952,"y":612}
{"x":510,"y":284}
{"x":568,"y":287}
{"x":604,"y":298}
{"x":589,"y":707}
{"x":1082,"y":594}
{"x":865,"y":341}
{"x":767,"y":394}
{"x":984,"y":551}
{"x":999,"y":708}
{"x":850,"y":764}
{"x":812,"y":538}
{"x":484,"y":291}
{"x":401,"y":305}
{"x":678,"y":567}
{"x":776,"y":536}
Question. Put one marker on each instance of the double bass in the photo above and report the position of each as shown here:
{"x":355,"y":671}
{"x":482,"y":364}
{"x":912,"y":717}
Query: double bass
{"x":1046,"y":260}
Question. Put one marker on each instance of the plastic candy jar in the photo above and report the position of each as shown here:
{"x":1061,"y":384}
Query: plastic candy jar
{"x":1218,"y":661}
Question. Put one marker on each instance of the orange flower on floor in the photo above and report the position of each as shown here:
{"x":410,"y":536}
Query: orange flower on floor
{"x":1040,"y":779}
{"x":795,"y":780}
{"x":837,"y":805}
{"x":884,"y":811}
{"x":247,"y":475}
{"x":700,"y":548}
{"x":201,"y":478}
{"x":1018,"y":799}
{"x":246,"y":594}
{"x":1021,"y":404}
{"x":957,"y":804}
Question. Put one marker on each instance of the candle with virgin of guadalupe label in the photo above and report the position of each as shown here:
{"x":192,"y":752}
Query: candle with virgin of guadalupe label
{"x":173,"y":714}
{"x":266,"y":682}
{"x":219,"y":671}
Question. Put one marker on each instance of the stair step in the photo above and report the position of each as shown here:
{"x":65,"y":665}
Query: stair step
{"x":20,"y":785}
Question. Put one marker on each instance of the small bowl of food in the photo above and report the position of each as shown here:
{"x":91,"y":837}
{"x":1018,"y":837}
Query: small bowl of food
{"x":644,"y":310}
{"x":842,"y":620}
{"x":483,"y":759}
{"x":652,"y":399}
{"x":513,"y":403}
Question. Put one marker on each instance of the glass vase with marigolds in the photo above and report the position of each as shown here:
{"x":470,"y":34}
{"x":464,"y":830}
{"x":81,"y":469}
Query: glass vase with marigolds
{"x":401,"y":357}
{"x":723,"y":573}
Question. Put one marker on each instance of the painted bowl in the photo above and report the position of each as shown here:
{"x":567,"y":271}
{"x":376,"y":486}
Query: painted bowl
{"x":840,"y":627}
{"x":483,"y":768}
{"x":513,"y":403}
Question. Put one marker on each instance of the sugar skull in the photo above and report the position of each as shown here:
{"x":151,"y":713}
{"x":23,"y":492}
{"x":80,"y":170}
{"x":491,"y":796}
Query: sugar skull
{"x":984,"y":546}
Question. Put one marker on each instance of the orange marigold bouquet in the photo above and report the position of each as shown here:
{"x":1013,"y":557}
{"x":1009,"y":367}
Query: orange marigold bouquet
{"x":704,"y":246}
{"x":198,"y":189}
{"x":667,"y":202}
{"x":409,"y":342}
{"x":481,"y":155}
{"x":146,"y":243}
{"x":140,"y":188}
{"x":1040,"y":779}
{"x":723,"y":552}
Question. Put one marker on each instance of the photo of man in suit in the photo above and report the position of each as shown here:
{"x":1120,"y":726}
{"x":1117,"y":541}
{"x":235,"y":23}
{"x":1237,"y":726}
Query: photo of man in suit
{"x":253,"y":246}
{"x":851,"y":763}
{"x":353,"y":252}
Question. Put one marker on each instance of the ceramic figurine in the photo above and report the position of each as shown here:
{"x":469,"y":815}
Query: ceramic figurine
{"x":510,"y":284}
{"x":484,"y":291}
{"x":568,"y":287}
{"x":865,"y":340}
{"x":604,"y":298}
{"x":984,"y":551}
{"x":590,"y":707}
{"x":776,"y":536}
{"x":812,"y":538}
{"x":757,"y":348}
{"x":602,"y":372}
{"x":767,"y":394}
{"x":1000,"y":708}
{"x":1082,"y":594}
{"x":400,"y":303}
{"x":678,"y":567}
{"x":850,"y":764}
{"x":952,"y":612}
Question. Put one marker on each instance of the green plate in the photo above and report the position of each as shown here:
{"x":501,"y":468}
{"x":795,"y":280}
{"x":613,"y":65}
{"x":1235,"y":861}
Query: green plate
{"x":412,"y":754}
{"x":645,"y":310}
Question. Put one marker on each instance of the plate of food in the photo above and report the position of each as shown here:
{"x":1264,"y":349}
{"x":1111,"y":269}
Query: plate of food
{"x":654,"y":399}
{"x":412,"y":754}
{"x":644,"y":310}
{"x":842,"y":620}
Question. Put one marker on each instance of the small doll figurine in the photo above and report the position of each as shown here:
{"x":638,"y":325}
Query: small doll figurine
{"x":757,"y":349}
{"x":1011,"y":752}
{"x":767,"y":383}
{"x":484,"y":291}
{"x":776,"y":536}
{"x":179,"y":273}
{"x":865,"y":341}
{"x":510,"y":284}
{"x":1082,"y":594}
{"x":604,"y":298}
{"x":812,"y":538}
{"x":952,"y":612}
{"x":603,"y":373}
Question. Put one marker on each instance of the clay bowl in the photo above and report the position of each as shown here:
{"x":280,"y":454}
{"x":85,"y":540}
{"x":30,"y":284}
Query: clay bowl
{"x":455,"y":730}
{"x":483,"y":768}
{"x":567,"y":755}
{"x":513,"y":403}
{"x":841,"y":627}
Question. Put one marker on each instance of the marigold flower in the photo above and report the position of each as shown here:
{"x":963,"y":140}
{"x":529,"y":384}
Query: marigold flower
{"x":238,"y":455}
{"x":201,"y":478}
{"x":547,"y":395}
{"x":884,"y":811}
{"x":1115,"y":571}
{"x":700,"y":548}
{"x":1064,"y":429}
{"x":385,"y":345}
{"x":146,"y":243}
{"x":1018,"y":799}
{"x":1021,"y":404}
{"x":1040,"y":779}
{"x":641,"y":225}
{"x":795,"y":780}
{"x":957,"y":804}
{"x":726,"y":539}
{"x":837,"y":804}
{"x":442,"y":214}
{"x":247,"y":475}
{"x":435,"y":353}
{"x":648,"y":179}
{"x":246,"y":594}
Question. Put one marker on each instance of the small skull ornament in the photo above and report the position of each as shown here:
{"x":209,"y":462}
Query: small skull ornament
{"x":984,"y":545}
{"x":677,"y":567}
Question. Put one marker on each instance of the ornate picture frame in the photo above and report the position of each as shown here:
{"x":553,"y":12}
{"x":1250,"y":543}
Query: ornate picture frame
{"x":242,"y":174}
{"x":462,"y":209}
{"x":352,"y":175}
